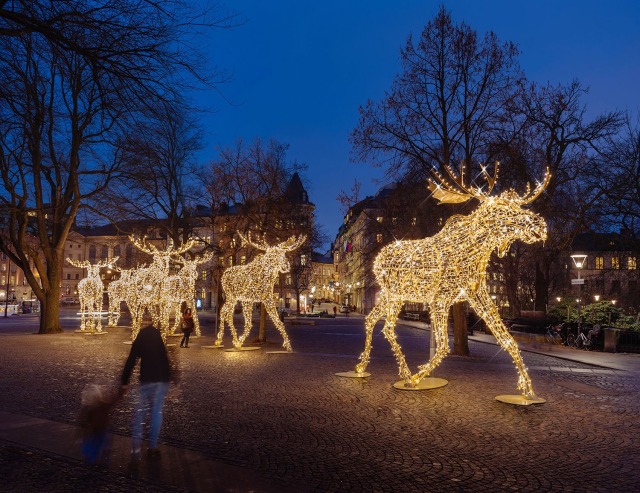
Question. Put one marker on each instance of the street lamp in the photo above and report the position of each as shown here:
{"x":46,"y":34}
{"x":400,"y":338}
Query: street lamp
{"x":579,"y":261}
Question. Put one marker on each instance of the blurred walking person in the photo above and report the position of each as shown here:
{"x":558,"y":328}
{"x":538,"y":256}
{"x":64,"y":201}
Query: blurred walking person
{"x":155,"y":374}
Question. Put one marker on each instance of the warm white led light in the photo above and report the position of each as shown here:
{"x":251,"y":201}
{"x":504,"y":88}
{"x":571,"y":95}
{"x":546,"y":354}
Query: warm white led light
{"x":145,"y":286}
{"x":253,"y":283}
{"x":90,"y":290}
{"x":451,"y":267}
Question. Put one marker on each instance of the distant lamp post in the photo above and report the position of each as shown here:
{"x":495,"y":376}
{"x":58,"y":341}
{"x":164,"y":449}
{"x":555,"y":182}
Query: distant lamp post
{"x":613,"y":302}
{"x":579,"y":260}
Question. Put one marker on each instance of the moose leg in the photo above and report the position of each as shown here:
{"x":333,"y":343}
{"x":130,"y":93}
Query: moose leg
{"x":246,"y":312}
{"x":393,"y":310}
{"x":224,"y":318}
{"x":439,"y":328}
{"x":272,"y":311}
{"x":83,"y":320}
{"x":369,"y":324}
{"x":486,"y":309}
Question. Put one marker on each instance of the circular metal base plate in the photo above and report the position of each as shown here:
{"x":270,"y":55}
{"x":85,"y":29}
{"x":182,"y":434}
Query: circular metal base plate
{"x":520,"y":400}
{"x":213,"y":347}
{"x":424,"y":384}
{"x":279,"y":352}
{"x":237,"y":350}
{"x":353,"y":374}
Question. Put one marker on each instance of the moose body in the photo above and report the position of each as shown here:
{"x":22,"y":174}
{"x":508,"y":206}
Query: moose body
{"x":90,"y":291}
{"x":145,"y":287}
{"x":253,"y":283}
{"x":450,"y":267}
{"x":179,"y":288}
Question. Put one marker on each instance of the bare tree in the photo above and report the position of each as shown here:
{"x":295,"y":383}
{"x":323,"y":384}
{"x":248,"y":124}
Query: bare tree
{"x":250,"y":187}
{"x":159,"y":182}
{"x":547,"y":127}
{"x":452,"y":92}
{"x":74,"y":75}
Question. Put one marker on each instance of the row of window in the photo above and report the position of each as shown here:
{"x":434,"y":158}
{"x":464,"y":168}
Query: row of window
{"x":615,"y":263}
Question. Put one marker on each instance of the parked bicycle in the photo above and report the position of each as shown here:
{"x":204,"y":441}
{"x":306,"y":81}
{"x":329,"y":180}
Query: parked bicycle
{"x":580,"y":341}
{"x":554,"y":334}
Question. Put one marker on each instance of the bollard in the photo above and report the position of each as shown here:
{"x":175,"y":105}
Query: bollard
{"x":611,"y":339}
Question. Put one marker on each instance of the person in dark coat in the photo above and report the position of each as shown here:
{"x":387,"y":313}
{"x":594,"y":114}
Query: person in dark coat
{"x":187,"y":326}
{"x":155,"y":374}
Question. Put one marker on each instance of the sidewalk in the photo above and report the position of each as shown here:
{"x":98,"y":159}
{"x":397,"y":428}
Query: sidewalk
{"x":615,"y":361}
{"x":178,"y":468}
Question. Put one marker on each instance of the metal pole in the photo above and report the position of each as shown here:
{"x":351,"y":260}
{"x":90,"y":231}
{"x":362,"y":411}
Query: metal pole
{"x":6,"y":293}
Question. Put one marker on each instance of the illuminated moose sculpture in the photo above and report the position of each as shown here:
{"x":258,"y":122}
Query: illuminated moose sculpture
{"x":90,"y":292}
{"x":254,"y":283}
{"x":118,"y":291}
{"x":181,"y":287}
{"x":451,"y":267}
{"x":145,"y":287}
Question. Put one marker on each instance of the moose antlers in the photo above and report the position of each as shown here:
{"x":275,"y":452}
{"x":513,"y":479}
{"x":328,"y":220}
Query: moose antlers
{"x":288,"y":245}
{"x":151,"y":249}
{"x":447,"y":193}
{"x":85,"y":264}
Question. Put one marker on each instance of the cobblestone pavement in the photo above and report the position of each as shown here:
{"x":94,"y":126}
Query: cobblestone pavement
{"x":289,"y":418}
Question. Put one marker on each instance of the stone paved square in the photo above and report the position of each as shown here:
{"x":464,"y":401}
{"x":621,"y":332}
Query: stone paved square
{"x":290,"y":422}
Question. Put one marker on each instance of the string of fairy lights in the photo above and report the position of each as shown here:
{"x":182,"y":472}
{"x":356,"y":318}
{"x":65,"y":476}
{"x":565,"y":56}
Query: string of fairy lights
{"x":451,"y":267}
{"x":90,"y":291}
{"x":253,"y":283}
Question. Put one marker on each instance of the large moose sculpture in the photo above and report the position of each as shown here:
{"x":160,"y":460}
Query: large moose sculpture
{"x":145,"y":285}
{"x":181,"y":288}
{"x":450,"y":267}
{"x":254,"y":282}
{"x":90,"y":292}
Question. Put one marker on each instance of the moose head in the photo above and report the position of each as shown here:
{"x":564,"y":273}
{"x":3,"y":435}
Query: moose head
{"x":275,"y":255}
{"x":503,"y":216}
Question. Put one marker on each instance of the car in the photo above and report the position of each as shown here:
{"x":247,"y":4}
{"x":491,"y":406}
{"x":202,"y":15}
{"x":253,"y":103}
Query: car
{"x":69,"y":300}
{"x":345,"y":309}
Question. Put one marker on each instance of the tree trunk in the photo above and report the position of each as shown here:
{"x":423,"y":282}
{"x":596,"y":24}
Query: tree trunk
{"x":262,"y":333}
{"x":542,"y":286}
{"x":50,"y":312}
{"x":460,"y":337}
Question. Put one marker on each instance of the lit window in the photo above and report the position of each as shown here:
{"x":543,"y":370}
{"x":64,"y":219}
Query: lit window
{"x":615,"y":263}
{"x":233,"y":242}
{"x":631,"y":263}
{"x":203,"y":275}
{"x":379,"y":219}
{"x":230,"y":261}
{"x":414,"y":221}
{"x":599,"y":262}
{"x":303,"y":260}
{"x":220,"y":260}
{"x":379,"y":237}
{"x":394,"y":220}
{"x":243,"y":259}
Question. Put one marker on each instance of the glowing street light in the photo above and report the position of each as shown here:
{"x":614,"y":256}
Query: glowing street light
{"x":579,"y":260}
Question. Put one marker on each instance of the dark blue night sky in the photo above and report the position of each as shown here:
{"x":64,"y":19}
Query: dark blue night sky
{"x":301,"y":69}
